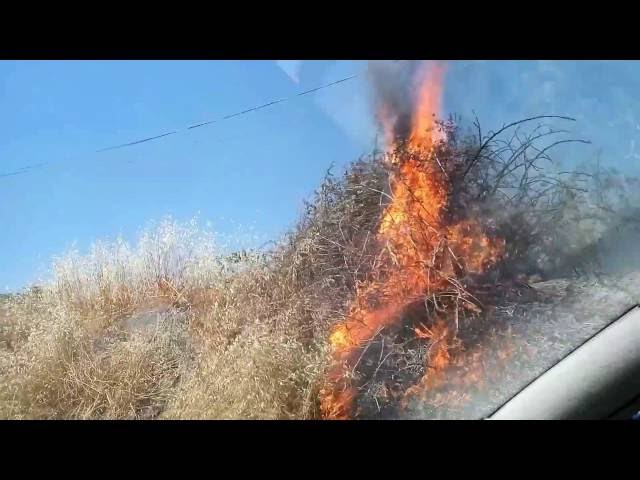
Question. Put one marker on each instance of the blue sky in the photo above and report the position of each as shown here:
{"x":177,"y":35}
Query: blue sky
{"x":253,"y":170}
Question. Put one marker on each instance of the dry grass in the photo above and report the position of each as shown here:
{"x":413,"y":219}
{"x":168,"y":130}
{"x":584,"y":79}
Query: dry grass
{"x":56,"y":365}
{"x":236,"y":335}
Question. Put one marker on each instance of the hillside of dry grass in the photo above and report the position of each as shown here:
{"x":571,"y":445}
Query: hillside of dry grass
{"x":173,"y":328}
{"x":215,"y":341}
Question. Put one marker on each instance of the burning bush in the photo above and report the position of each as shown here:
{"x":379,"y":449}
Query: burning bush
{"x":466,"y":222}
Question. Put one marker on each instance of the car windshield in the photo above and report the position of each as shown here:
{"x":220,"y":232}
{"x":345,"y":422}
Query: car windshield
{"x":296,"y":239}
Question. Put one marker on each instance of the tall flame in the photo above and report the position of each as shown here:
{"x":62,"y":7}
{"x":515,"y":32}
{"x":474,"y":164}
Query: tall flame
{"x":421,"y":247}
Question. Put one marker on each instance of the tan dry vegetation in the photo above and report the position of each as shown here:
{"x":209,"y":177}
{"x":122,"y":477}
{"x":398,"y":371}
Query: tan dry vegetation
{"x":239,"y":335}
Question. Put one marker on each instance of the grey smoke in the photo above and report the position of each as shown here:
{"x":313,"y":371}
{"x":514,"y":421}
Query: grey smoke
{"x":392,"y":85}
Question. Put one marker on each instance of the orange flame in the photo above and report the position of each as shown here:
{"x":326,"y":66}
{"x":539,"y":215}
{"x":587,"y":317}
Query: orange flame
{"x":428,"y":105}
{"x":420,"y":246}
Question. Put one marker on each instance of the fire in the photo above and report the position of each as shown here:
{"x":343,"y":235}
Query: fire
{"x":429,"y":97}
{"x":422,"y":250}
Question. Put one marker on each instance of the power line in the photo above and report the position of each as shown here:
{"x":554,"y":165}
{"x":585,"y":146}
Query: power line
{"x":191,"y":127}
{"x":136,"y":142}
{"x":227,"y":117}
{"x":22,"y":170}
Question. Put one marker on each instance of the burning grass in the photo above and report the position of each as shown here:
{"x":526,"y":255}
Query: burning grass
{"x":407,"y":288}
